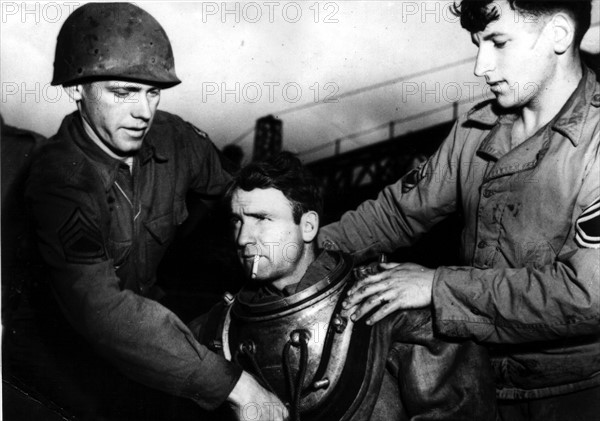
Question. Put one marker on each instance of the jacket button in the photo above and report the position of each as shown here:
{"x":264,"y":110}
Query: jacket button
{"x":488,"y":193}
{"x":596,"y":100}
{"x":482,"y":244}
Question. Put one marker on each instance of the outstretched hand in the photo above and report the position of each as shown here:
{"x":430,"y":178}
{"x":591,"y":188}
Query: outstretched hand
{"x":251,"y":401}
{"x":400,"y":286}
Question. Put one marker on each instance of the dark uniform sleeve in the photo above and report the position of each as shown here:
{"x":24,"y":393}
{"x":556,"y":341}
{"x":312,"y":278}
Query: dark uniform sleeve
{"x":144,"y":339}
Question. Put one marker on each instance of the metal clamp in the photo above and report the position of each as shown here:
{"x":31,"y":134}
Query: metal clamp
{"x":339,"y":323}
{"x":299,"y":335}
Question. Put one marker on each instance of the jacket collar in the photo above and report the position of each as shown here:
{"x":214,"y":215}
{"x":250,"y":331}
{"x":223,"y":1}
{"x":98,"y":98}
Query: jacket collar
{"x":569,"y":121}
{"x":106,"y":166}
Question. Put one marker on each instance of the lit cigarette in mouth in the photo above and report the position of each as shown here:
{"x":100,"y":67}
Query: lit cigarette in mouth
{"x":255,"y":266}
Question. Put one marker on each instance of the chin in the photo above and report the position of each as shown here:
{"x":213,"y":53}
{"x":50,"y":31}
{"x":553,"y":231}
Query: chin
{"x":260,"y":281}
{"x":506,"y":103}
{"x":132,"y":148}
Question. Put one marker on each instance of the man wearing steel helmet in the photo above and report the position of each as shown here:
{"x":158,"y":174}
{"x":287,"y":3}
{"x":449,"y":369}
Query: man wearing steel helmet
{"x":523,"y":170}
{"x":107,"y":193}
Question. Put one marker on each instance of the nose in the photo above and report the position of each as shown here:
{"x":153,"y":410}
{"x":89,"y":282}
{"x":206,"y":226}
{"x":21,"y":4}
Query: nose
{"x":484,"y":62}
{"x":244,"y":235}
{"x":142,"y":108}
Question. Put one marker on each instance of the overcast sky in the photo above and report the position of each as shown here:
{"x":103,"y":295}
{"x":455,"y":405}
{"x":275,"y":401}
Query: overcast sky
{"x":327,"y":69}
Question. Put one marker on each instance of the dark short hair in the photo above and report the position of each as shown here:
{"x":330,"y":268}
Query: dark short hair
{"x":285,"y":173}
{"x":475,"y":14}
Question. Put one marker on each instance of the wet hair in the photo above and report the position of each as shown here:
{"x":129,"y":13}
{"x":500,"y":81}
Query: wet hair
{"x":475,"y":15}
{"x":285,"y":173}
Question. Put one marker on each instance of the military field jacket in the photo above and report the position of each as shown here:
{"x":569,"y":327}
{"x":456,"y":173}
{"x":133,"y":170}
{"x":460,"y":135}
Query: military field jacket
{"x":529,"y":280}
{"x":103,"y":229}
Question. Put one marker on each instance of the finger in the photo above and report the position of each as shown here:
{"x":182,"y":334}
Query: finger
{"x":283,"y":414}
{"x":389,"y":265}
{"x":383,"y":312}
{"x":272,"y":410}
{"x":361,"y":287}
{"x":371,"y":279}
{"x":363,"y":292}
{"x":370,"y":304}
{"x":347,"y":312}
{"x":361,"y":310}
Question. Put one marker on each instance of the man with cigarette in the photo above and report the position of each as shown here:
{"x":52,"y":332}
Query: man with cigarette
{"x":287,"y":328}
{"x":107,"y":193}
{"x":523,"y":170}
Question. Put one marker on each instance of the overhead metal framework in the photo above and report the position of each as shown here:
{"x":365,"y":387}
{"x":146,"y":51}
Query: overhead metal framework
{"x":350,"y":178}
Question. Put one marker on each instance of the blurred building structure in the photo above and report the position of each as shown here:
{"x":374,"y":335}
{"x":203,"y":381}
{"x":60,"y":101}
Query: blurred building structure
{"x":268,"y":137}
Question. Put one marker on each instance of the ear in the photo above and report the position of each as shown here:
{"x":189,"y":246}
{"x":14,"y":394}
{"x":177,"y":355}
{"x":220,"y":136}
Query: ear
{"x":563,"y":32}
{"x":310,"y":226}
{"x":75,"y":92}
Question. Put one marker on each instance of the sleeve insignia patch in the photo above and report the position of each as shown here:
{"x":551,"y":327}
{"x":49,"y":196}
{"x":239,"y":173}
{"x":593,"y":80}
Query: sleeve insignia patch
{"x":81,"y":240}
{"x":587,"y":227}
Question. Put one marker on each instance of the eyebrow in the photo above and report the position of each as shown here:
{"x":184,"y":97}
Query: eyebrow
{"x":488,"y":37}
{"x":493,"y":35}
{"x":256,"y":214}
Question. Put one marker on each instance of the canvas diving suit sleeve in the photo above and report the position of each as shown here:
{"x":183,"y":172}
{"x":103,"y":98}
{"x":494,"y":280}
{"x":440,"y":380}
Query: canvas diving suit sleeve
{"x":438,"y":379}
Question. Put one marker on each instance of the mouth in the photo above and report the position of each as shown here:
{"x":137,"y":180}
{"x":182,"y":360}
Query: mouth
{"x":496,"y":87}
{"x":136,"y":131}
{"x":251,"y":262}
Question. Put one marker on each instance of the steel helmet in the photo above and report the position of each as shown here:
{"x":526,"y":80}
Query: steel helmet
{"x":113,"y":41}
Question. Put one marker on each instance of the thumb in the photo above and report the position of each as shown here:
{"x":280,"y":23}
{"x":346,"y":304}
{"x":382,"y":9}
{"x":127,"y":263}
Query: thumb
{"x":390,"y":265}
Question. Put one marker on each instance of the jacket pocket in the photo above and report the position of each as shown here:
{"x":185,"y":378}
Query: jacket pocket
{"x":161,"y":229}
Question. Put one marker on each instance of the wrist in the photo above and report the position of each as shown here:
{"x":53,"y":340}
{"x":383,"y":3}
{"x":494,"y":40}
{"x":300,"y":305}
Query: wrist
{"x":241,"y":386}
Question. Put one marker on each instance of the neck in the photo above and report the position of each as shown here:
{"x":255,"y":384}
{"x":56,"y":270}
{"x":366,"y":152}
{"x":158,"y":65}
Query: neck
{"x":551,"y":98}
{"x":307,"y":258}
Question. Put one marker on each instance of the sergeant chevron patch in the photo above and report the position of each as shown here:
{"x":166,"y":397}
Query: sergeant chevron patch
{"x":587,"y":227}
{"x":81,"y":239}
